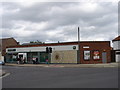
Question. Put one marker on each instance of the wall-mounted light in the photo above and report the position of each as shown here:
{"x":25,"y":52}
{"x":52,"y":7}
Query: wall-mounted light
{"x":104,"y":50}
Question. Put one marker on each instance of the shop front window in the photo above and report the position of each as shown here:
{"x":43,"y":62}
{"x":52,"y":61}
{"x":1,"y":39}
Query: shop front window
{"x":118,"y":52}
{"x":96,"y":55}
{"x":86,"y":55}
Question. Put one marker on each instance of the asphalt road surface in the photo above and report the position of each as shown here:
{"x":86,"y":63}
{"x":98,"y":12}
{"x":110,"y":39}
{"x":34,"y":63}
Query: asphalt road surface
{"x":59,"y":77}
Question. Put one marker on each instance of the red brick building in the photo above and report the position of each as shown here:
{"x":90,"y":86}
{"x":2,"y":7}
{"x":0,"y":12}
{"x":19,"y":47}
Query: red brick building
{"x":99,"y":51}
{"x":84,"y":52}
{"x":6,"y":42}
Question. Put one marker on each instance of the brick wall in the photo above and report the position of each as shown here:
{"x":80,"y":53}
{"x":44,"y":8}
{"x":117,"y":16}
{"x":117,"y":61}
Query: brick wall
{"x":6,"y":43}
{"x":100,"y":46}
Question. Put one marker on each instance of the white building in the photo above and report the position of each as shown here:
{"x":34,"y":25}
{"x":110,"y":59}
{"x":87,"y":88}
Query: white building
{"x":1,"y":57}
{"x":116,"y":48}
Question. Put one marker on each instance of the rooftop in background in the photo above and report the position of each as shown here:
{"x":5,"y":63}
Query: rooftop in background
{"x":2,"y":39}
{"x":6,"y":42}
{"x":116,"y":39}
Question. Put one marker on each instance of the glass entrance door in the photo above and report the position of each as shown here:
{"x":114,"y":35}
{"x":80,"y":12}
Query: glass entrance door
{"x":43,"y":57}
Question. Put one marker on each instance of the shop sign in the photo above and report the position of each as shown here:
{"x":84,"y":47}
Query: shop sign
{"x":96,"y":55}
{"x":86,"y":47}
{"x":11,"y":50}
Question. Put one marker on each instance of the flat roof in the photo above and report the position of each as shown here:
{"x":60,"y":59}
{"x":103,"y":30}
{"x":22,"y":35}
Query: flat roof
{"x":56,"y":44}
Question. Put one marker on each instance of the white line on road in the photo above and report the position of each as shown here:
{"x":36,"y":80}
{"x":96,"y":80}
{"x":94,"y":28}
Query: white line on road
{"x":5,"y":75}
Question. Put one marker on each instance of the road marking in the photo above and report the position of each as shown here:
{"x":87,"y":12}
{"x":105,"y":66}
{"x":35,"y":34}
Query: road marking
{"x":5,"y":75}
{"x":53,"y":66}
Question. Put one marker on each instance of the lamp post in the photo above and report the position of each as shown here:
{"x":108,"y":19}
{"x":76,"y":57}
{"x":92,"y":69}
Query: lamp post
{"x":78,"y":35}
{"x":78,"y":45}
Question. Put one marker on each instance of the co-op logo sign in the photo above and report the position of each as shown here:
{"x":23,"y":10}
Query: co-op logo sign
{"x":74,"y":47}
{"x":10,"y":50}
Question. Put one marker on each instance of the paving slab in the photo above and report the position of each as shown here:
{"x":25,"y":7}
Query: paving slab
{"x":67,"y":65}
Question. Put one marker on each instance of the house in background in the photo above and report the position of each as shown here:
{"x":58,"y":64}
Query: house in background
{"x":6,"y":42}
{"x":116,"y":48}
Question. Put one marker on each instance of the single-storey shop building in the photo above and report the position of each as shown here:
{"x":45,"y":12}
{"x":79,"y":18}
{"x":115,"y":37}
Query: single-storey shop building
{"x":83,"y":52}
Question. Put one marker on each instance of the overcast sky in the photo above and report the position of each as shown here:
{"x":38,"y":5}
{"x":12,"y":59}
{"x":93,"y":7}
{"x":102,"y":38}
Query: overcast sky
{"x":58,"y":21}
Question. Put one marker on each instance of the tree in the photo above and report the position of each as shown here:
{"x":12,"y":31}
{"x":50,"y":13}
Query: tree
{"x":37,"y":41}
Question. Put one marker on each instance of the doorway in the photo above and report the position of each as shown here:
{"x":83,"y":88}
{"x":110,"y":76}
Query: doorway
{"x":104,"y":57}
{"x":43,"y":57}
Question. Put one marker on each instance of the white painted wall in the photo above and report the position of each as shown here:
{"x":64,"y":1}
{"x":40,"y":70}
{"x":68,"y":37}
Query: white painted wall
{"x":116,"y":45}
{"x":24,"y":55}
{"x":117,"y":58}
{"x":42,"y":48}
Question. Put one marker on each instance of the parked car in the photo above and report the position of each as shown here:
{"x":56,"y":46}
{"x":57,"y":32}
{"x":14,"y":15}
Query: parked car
{"x":2,"y":62}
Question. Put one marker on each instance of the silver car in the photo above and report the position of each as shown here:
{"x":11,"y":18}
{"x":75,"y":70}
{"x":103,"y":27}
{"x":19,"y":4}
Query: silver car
{"x":2,"y":62}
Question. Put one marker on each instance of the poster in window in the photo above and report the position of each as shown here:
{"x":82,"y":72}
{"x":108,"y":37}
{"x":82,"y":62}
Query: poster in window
{"x":14,"y":57}
{"x":96,"y":55}
{"x":86,"y":55}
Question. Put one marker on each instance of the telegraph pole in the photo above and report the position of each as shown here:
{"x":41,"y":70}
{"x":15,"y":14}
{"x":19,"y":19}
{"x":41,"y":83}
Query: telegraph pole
{"x":78,"y":45}
{"x":78,"y":35}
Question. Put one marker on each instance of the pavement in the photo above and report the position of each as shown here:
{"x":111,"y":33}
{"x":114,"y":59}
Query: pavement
{"x":68,"y":65}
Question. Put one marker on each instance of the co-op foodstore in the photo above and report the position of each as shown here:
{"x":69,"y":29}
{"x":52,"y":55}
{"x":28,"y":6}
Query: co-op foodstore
{"x":83,"y":52}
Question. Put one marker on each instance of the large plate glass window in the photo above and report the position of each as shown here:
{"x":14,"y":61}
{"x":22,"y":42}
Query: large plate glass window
{"x":86,"y":55}
{"x":96,"y":55}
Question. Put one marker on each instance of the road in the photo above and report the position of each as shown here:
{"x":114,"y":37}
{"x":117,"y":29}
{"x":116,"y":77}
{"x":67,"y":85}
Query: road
{"x":60,"y":77}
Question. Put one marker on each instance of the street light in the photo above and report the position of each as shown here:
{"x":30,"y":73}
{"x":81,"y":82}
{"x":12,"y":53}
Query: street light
{"x":78,"y":45}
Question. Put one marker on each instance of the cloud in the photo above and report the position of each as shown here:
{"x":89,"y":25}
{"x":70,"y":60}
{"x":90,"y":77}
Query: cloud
{"x":58,"y":21}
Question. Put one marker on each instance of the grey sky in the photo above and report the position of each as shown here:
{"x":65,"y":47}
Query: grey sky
{"x":58,"y":21}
